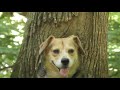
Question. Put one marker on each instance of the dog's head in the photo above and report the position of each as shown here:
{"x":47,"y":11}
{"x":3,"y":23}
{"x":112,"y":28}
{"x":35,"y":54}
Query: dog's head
{"x":61,"y":55}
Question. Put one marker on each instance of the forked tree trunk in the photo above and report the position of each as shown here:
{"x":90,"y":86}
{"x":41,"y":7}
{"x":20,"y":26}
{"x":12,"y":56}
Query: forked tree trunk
{"x":91,"y":27}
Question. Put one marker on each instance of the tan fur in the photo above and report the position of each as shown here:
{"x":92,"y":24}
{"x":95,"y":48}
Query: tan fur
{"x":63,"y":44}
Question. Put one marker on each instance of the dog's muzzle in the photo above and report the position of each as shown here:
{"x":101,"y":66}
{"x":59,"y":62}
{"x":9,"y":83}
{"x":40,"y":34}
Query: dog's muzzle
{"x":64,"y":70}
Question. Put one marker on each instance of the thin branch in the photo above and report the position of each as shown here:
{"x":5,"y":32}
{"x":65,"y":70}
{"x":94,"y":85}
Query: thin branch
{"x":6,"y":68}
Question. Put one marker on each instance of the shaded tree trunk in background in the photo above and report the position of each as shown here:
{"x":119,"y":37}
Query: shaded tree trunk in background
{"x":91,"y":27}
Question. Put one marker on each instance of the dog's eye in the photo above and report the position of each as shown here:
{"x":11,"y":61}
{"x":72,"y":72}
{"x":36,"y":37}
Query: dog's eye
{"x":70,"y":51}
{"x":56,"y":51}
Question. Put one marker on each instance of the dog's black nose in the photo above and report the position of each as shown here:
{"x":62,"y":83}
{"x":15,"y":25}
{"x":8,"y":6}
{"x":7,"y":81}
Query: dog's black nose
{"x":65,"y":61}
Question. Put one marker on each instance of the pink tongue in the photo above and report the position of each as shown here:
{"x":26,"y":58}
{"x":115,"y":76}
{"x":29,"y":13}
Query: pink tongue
{"x":64,"y":72}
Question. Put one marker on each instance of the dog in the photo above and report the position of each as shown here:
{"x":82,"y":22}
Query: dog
{"x":61,"y":56}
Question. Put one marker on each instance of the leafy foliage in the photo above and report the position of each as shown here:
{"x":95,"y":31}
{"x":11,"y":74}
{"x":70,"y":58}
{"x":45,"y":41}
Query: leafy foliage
{"x":11,"y":34}
{"x":114,"y":44}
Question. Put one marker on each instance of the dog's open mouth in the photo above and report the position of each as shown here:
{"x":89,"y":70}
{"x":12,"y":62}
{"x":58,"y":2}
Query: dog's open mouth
{"x":63,"y":71}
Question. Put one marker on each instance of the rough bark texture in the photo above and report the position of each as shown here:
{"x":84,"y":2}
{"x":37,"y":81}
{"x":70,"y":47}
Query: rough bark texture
{"x":91,"y":27}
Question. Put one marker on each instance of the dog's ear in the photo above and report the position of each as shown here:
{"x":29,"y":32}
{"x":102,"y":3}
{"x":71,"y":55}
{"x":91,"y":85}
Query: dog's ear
{"x":78,"y":42}
{"x":45,"y":43}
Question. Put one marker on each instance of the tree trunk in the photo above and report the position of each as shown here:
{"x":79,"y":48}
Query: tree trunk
{"x":90,"y":27}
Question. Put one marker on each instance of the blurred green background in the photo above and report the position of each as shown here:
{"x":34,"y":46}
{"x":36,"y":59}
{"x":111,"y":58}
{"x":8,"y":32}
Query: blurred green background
{"x":11,"y":36}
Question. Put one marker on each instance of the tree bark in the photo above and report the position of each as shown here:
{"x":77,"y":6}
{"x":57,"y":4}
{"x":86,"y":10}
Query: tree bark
{"x":90,"y":27}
